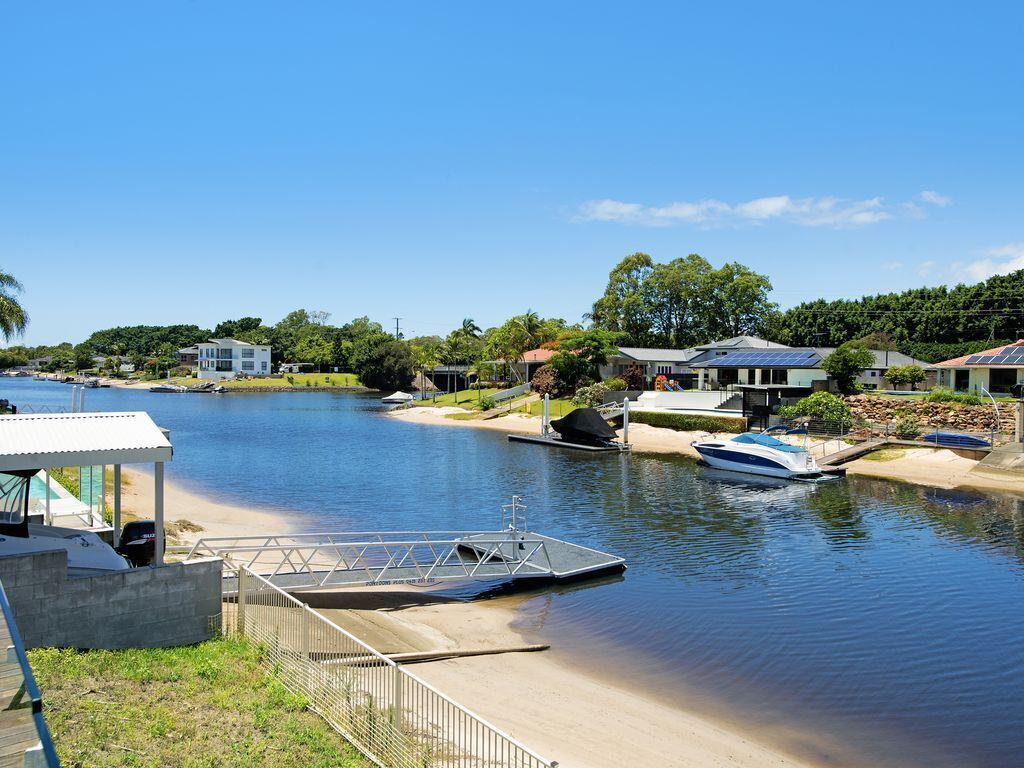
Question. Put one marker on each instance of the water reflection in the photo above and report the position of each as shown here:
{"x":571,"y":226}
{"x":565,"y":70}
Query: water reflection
{"x":886,"y":614}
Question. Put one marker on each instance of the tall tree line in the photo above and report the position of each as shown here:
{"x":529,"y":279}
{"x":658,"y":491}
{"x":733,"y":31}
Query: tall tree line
{"x":683,"y":302}
{"x":930,"y":323}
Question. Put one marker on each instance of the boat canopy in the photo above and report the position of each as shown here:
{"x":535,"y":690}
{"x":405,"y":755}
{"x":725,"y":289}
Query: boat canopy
{"x":584,"y":425}
{"x":753,"y":438}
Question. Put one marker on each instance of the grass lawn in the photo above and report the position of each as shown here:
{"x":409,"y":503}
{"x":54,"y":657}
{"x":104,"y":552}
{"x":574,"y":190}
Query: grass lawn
{"x":296,"y":380}
{"x":885,"y":454}
{"x":558,"y":408}
{"x":210,"y":705}
{"x":467,"y":398}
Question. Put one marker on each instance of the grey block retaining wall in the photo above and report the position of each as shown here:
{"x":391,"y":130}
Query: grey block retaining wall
{"x":148,"y":607}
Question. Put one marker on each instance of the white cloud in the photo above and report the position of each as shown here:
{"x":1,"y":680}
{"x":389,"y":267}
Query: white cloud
{"x":925,"y":268}
{"x":934,"y":198}
{"x":997,"y":261}
{"x":804,"y":211}
{"x":892,"y":266}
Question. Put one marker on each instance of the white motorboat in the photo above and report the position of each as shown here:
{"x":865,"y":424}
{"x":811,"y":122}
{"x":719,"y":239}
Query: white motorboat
{"x":398,"y":398}
{"x":88,"y":554}
{"x":761,"y":454}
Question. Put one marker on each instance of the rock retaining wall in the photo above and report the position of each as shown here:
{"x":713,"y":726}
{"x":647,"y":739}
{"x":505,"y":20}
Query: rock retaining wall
{"x":962,"y":418}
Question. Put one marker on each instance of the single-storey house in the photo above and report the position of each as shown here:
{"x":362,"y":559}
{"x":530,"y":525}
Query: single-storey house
{"x":995,"y":370}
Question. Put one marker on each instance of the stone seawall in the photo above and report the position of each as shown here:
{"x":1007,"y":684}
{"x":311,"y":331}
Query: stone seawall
{"x":965,"y":418}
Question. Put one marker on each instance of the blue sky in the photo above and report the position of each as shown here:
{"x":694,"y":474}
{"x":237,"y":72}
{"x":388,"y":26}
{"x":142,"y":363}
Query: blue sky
{"x":191,"y":162}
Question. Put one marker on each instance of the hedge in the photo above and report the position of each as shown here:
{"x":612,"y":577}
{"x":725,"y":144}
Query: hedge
{"x":687,"y":422}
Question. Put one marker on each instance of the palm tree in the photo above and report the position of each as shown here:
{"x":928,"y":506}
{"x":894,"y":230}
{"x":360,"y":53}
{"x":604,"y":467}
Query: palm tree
{"x":426,"y":357}
{"x":13,"y":317}
{"x":470,"y":328}
{"x":532,"y":326}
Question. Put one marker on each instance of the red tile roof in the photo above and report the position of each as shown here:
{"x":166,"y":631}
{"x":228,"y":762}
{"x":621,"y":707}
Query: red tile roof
{"x":538,"y":355}
{"x":957,"y":362}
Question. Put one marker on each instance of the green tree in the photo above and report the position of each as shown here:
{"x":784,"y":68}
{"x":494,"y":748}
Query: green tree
{"x":624,"y":306}
{"x":230,"y":329}
{"x":846,"y":364}
{"x":315,"y":346}
{"x":13,"y":317}
{"x":383,"y":362}
{"x":899,"y":375}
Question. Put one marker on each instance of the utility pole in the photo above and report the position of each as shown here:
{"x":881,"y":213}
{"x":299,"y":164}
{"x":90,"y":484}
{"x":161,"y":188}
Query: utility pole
{"x":397,"y":334}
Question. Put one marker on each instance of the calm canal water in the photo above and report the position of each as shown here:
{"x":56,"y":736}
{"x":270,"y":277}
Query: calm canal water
{"x":888,"y":616}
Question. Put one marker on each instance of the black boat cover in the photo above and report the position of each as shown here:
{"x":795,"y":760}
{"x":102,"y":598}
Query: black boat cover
{"x":584,"y":425}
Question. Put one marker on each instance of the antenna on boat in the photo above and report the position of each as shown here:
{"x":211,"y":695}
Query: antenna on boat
{"x":514,"y":509}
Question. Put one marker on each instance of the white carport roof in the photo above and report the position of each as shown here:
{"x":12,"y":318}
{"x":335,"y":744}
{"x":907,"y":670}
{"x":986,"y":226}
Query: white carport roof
{"x":39,"y":441}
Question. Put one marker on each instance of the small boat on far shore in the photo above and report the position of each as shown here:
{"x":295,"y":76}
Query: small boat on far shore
{"x":398,"y":398}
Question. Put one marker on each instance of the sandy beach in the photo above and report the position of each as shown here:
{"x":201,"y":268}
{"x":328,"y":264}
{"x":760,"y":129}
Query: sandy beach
{"x":934,"y":467}
{"x":579,"y":719}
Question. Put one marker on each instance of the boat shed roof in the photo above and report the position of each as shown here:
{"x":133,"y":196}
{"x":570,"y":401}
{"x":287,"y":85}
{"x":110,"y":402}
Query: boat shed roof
{"x":41,"y":441}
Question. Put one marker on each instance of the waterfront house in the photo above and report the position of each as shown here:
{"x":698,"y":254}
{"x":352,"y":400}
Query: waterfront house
{"x":227,"y":358}
{"x":188,"y":357}
{"x":995,"y":370}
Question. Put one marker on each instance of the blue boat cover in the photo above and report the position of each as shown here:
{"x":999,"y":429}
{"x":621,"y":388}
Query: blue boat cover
{"x":956,"y":440}
{"x":767,"y":441}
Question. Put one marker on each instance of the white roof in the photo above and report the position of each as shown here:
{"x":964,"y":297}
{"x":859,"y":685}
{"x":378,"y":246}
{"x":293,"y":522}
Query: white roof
{"x":648,"y":354}
{"x":38,"y":441}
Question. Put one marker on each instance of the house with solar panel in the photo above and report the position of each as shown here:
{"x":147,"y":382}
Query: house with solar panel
{"x":995,"y":370}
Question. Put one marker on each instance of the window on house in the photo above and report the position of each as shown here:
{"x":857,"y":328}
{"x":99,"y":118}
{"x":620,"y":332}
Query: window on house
{"x":248,"y":353}
{"x":248,"y":365}
{"x":665,"y":369}
{"x":263,"y":365}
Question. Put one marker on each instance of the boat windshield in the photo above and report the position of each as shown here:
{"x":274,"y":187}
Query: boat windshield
{"x":767,"y":441}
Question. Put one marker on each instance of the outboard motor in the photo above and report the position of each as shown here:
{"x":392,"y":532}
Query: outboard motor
{"x":138,"y":542}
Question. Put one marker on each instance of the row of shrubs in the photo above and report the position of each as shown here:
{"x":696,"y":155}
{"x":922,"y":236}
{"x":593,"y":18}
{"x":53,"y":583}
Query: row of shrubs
{"x":687,"y":422}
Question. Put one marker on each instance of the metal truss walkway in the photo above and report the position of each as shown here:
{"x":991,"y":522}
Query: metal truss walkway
{"x":309,"y":561}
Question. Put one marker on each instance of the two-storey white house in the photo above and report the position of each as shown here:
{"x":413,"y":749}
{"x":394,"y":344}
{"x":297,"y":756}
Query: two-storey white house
{"x":227,"y":358}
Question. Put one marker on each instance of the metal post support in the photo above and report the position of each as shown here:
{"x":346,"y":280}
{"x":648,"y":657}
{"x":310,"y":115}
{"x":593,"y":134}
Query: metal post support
{"x":625,"y":420}
{"x":117,"y":505}
{"x":546,"y":416}
{"x":81,"y":399}
{"x":396,"y":697}
{"x":49,"y":515}
{"x":158,"y":511}
{"x":240,"y":605}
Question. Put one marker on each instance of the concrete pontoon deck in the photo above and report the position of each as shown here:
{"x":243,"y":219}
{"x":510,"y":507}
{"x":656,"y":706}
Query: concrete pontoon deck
{"x":556,"y":442}
{"x":297,"y":562}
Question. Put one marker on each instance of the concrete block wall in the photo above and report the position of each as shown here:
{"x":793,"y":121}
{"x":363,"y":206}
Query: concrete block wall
{"x":150,"y":607}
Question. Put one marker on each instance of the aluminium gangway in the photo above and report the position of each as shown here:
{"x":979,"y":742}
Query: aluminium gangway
{"x":310,"y":561}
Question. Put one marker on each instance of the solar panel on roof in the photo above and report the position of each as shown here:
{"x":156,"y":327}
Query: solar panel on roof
{"x":972,"y":360}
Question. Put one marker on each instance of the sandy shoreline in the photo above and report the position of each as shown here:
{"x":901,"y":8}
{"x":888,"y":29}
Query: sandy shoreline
{"x":933,"y":467}
{"x":579,"y":719}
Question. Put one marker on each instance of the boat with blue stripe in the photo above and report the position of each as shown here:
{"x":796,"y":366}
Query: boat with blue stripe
{"x":761,"y":454}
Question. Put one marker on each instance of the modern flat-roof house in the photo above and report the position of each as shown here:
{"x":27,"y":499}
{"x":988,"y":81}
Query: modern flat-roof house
{"x":227,"y":358}
{"x":994,"y":370}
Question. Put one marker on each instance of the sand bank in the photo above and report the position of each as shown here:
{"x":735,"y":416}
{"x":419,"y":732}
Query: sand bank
{"x":214,"y":518}
{"x":580,"y":720}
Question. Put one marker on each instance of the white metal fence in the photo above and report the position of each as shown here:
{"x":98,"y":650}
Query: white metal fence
{"x":389,"y":714}
{"x":511,"y":392}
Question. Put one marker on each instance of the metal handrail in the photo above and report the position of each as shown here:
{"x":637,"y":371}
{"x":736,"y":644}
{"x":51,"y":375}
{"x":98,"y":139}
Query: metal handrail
{"x":32,"y":693}
{"x":391,"y":715}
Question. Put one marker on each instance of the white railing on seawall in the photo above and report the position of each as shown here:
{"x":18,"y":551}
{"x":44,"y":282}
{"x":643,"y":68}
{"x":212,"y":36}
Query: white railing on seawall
{"x":511,"y":392}
{"x":389,"y":714}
